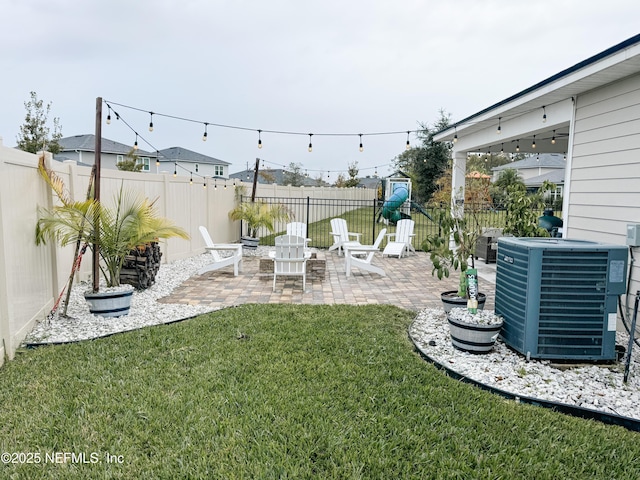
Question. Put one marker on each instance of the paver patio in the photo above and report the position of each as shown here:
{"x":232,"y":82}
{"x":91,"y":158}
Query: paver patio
{"x":408,"y":284}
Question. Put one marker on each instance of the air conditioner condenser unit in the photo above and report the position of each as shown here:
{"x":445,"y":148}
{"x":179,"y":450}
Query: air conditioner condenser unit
{"x":558,"y":297}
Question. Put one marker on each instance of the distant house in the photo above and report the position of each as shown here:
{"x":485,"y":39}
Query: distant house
{"x":185,"y":162}
{"x":369,"y":182}
{"x":272,"y":176}
{"x":81,"y":148}
{"x":536,"y":169}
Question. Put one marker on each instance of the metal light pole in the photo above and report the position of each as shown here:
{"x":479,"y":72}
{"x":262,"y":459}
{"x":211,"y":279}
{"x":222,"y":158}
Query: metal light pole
{"x":96,"y":195}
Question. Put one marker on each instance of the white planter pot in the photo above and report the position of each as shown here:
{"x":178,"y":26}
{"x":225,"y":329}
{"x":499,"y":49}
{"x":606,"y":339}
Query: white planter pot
{"x":249,"y":242}
{"x":109,"y":304}
{"x":473,"y":337}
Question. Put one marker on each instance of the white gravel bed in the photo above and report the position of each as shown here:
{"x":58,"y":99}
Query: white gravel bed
{"x":145,"y":310}
{"x":594,"y":386}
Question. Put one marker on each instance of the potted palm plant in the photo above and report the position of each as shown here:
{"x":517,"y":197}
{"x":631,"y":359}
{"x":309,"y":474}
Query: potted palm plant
{"x":130,"y":223}
{"x":257,"y":215}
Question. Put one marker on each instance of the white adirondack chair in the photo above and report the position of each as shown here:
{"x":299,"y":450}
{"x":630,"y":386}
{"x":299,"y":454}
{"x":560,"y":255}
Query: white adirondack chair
{"x":290,"y":258}
{"x":342,"y":236}
{"x":218,"y":261}
{"x":400,"y":242}
{"x":298,"y":229}
{"x":352,"y":260}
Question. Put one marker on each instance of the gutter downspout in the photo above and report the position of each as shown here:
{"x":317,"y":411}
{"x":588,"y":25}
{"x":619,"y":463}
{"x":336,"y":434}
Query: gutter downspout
{"x":566,"y":194}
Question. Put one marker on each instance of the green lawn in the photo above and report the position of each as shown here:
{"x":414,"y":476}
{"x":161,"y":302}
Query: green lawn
{"x":361,"y":220}
{"x":283,"y":391}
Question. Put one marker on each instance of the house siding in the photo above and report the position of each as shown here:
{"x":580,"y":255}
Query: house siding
{"x":605,"y":169}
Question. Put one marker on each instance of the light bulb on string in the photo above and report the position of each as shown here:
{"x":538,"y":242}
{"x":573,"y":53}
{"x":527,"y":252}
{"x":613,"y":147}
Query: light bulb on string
{"x":499,"y":130}
{"x":455,"y":136}
{"x":408,"y":145}
{"x":544,"y":114}
{"x":376,"y":172}
{"x":204,"y":135}
{"x":191,"y":179}
{"x":533,"y":144}
{"x":502,"y":148}
{"x":310,"y":146}
{"x":157,"y":158}
{"x":553,"y":139}
{"x":517,"y":145}
{"x":109,"y":115}
{"x":259,"y":139}
{"x":225,"y":184}
{"x":151,"y":122}
{"x":215,"y":183}
{"x":175,"y":169}
{"x":361,"y":147}
{"x":135,"y":144}
{"x":205,"y":182}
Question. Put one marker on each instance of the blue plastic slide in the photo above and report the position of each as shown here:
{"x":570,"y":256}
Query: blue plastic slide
{"x":390,"y":207}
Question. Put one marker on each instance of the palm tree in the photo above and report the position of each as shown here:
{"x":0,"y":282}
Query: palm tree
{"x":131,"y":223}
{"x":259,"y":215}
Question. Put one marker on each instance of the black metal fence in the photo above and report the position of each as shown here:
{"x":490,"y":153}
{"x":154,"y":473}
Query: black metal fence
{"x":363,"y":216}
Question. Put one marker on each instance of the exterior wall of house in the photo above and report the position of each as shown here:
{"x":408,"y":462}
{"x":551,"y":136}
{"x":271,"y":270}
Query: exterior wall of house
{"x":107,"y":160}
{"x":184,"y":169}
{"x":605,"y":167}
{"x":525,"y":173}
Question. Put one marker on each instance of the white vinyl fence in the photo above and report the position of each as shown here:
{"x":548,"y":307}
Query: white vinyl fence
{"x":32,"y":276}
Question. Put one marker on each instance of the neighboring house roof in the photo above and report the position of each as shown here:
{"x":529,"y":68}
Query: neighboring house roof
{"x":87,"y":143}
{"x":556,"y":176}
{"x":369,"y":182}
{"x":545,"y":160}
{"x":476,"y":174}
{"x":179,"y":154}
{"x":270,"y":176}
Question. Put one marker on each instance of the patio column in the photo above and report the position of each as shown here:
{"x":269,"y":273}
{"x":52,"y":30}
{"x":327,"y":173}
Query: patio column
{"x":458,"y":172}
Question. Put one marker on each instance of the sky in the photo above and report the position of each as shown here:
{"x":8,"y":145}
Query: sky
{"x":325,"y":67}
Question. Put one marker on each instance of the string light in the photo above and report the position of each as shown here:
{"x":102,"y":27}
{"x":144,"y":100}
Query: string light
{"x":501,"y":148}
{"x":151,"y":122}
{"x":175,"y":169}
{"x":518,"y":145}
{"x":544,"y":114}
{"x":135,"y":144}
{"x":205,"y":182}
{"x":259,"y":139}
{"x":499,"y":130}
{"x":204,"y":135}
{"x":157,"y":158}
{"x":533,"y":144}
{"x":191,"y":179}
{"x":553,"y":139}
{"x":408,"y":144}
{"x":455,"y":136}
{"x":361,"y":147}
{"x":109,"y":115}
{"x":215,"y":183}
{"x":310,"y":146}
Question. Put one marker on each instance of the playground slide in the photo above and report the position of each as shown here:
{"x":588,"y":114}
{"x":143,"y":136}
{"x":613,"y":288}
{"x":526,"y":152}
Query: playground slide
{"x":390,"y":207}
